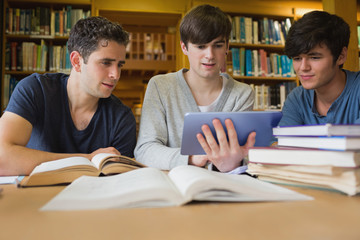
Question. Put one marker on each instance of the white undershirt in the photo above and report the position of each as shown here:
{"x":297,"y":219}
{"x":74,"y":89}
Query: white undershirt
{"x":211,"y":107}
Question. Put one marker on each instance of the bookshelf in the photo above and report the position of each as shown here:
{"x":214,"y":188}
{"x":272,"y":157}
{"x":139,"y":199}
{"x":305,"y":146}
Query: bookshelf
{"x":35,"y":36}
{"x":151,"y":51}
{"x":257,"y":58}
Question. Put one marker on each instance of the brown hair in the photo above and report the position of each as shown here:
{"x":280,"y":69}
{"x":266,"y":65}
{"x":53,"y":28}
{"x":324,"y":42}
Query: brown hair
{"x":204,"y":23}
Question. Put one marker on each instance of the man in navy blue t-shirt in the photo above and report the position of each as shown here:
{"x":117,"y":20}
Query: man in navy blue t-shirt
{"x":53,"y":116}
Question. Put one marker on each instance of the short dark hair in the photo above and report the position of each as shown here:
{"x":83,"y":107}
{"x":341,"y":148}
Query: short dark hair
{"x":86,"y":35}
{"x":317,"y":28}
{"x":204,"y":23}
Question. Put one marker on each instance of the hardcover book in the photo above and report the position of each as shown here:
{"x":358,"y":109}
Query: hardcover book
{"x":304,"y":156}
{"x":319,"y":130}
{"x":321,"y":142}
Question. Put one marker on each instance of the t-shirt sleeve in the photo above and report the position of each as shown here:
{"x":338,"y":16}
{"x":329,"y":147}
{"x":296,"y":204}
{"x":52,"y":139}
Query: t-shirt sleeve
{"x":26,"y":99}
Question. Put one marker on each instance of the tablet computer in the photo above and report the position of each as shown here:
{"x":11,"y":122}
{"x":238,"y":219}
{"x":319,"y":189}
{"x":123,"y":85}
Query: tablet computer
{"x":261,"y":122}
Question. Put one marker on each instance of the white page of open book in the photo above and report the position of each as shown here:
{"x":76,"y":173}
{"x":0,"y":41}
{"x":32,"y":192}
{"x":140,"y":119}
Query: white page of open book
{"x":61,"y":163}
{"x":97,"y":159}
{"x":145,"y":187}
{"x":201,"y":184}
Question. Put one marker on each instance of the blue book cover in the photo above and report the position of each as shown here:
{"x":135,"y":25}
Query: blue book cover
{"x":266,"y":30}
{"x":283,"y":65}
{"x":242,"y":30}
{"x":242,"y":61}
{"x":261,"y":32}
{"x":283,"y":29}
{"x":68,"y":19}
{"x":270,"y":31}
{"x":235,"y":61}
{"x":248,"y":62}
{"x":288,"y":66}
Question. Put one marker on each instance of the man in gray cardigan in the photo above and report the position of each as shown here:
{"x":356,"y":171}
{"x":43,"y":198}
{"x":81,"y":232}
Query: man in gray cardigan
{"x":205,"y":32}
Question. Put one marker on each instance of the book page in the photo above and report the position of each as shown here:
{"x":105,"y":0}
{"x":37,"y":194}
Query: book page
{"x":113,"y":164}
{"x":8,"y":179}
{"x":61,"y":163}
{"x":201,"y":184}
{"x":145,"y":187}
{"x":190,"y":180}
{"x":98,"y":158}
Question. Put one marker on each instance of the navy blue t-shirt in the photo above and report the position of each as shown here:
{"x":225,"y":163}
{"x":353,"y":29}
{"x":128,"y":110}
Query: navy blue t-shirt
{"x":43,"y":101}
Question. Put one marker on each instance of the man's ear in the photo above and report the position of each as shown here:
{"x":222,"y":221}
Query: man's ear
{"x":183,"y":47}
{"x":342,"y":57}
{"x":76,"y":59}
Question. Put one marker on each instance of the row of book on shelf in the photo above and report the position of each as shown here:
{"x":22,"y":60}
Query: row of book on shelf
{"x":258,"y":63}
{"x":29,"y":56}
{"x":250,"y":30}
{"x":316,"y":156}
{"x":43,"y":20}
{"x":271,"y":96}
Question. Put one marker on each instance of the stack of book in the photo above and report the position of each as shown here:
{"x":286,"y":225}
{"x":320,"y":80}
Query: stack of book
{"x":318,"y":156}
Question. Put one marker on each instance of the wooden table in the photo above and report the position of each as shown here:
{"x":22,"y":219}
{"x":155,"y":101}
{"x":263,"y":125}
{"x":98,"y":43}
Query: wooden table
{"x":330,"y":216}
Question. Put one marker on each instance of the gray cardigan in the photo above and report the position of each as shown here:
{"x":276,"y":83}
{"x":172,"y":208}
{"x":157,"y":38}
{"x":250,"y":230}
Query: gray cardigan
{"x":167,"y":99}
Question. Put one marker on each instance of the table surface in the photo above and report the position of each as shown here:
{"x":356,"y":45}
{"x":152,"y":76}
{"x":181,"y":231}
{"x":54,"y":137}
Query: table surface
{"x":330,"y":215}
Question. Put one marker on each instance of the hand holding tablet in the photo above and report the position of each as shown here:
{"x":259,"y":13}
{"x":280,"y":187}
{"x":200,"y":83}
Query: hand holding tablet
{"x":260,"y":122}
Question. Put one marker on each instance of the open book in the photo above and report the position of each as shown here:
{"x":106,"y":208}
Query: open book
{"x":66,"y":170}
{"x":150,"y":187}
